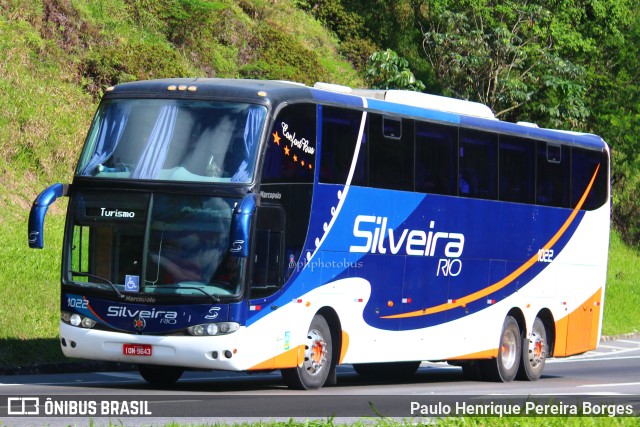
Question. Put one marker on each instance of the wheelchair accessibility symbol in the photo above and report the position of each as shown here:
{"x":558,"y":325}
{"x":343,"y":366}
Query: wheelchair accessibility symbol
{"x":131,"y":283}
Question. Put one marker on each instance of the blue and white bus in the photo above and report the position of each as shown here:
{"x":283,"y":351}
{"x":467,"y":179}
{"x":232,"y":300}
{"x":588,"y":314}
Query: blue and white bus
{"x":252,"y":225}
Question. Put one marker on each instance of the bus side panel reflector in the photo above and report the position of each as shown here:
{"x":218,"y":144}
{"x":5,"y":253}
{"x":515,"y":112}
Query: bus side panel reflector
{"x":578,"y":332}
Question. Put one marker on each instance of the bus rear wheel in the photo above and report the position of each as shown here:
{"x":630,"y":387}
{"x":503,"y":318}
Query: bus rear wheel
{"x":505,"y":367}
{"x":534,"y":352}
{"x":318,"y":358}
{"x":160,"y":375}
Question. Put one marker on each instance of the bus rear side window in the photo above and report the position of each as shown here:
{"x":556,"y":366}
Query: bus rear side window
{"x":583,"y":168}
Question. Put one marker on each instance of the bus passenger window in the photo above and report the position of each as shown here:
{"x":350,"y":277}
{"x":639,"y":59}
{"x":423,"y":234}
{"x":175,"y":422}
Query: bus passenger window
{"x":478,"y":164}
{"x":390,"y":157}
{"x":517,"y":167}
{"x":436,"y":159}
{"x":340,"y":128}
{"x":553,"y":178}
{"x":291,"y":153}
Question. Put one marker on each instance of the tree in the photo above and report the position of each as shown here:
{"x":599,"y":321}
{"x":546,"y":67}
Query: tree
{"x":503,"y":55}
{"x":386,"y":70}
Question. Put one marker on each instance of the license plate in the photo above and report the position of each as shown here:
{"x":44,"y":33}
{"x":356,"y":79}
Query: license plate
{"x":137,"y":349}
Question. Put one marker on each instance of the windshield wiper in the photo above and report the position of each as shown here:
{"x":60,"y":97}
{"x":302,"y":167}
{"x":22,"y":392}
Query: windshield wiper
{"x":102,"y":279}
{"x":214,"y":297}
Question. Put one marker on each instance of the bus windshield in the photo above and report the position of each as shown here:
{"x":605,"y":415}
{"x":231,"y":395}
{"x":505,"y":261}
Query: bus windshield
{"x":174,"y":140}
{"x":153,"y":244}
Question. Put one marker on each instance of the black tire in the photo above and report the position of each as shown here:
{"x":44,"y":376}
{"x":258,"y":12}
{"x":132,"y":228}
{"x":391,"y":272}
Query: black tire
{"x":504,"y":368}
{"x":534,"y":353}
{"x":387,"y":370}
{"x":160,"y":375}
{"x":318,"y":360}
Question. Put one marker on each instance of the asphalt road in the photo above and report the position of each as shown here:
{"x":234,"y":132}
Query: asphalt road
{"x":604,"y":382}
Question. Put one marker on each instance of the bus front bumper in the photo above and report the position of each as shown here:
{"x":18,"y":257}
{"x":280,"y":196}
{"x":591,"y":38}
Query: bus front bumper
{"x":199,"y":352}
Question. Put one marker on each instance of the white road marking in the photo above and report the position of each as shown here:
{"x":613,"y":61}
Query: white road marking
{"x":629,"y":342}
{"x":609,"y":385}
{"x":589,"y":359}
{"x":613,"y":347}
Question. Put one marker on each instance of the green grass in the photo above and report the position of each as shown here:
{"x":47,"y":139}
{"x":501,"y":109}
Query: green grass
{"x":622,"y":295}
{"x":30,"y":308}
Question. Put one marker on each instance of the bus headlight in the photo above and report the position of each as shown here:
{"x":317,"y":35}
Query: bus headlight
{"x":77,"y":320}
{"x":211,"y":329}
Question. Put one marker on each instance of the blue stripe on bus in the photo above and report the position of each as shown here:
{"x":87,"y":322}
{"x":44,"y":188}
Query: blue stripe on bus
{"x":498,"y":239}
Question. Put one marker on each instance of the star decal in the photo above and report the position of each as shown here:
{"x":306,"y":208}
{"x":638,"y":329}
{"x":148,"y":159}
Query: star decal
{"x":302,"y":163}
{"x":276,"y":138}
{"x":295,"y":158}
{"x":286,"y":150}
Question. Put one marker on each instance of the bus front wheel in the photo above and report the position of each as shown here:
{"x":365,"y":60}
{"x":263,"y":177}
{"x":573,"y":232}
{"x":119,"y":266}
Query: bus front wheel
{"x":318,"y":358}
{"x":505,"y":367}
{"x":160,"y":375}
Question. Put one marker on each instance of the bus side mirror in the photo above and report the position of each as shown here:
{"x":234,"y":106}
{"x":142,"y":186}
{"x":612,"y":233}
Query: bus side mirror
{"x":39,"y":210}
{"x":241,"y":226}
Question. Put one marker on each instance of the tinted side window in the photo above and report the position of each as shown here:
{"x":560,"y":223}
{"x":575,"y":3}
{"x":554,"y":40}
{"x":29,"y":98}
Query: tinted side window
{"x":290,"y":155}
{"x":478,"y":164}
{"x":552,"y":185}
{"x":390,"y":153}
{"x":339,"y":135}
{"x":436,"y":159}
{"x":583,"y":167}
{"x":517,"y":169}
{"x":268,"y":258}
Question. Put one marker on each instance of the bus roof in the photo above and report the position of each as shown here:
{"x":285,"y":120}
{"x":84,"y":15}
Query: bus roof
{"x":395,"y":102}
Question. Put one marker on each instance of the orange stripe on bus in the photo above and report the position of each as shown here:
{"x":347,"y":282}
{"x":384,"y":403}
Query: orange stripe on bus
{"x":344,"y":347}
{"x":288,"y":359}
{"x":486,"y":354}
